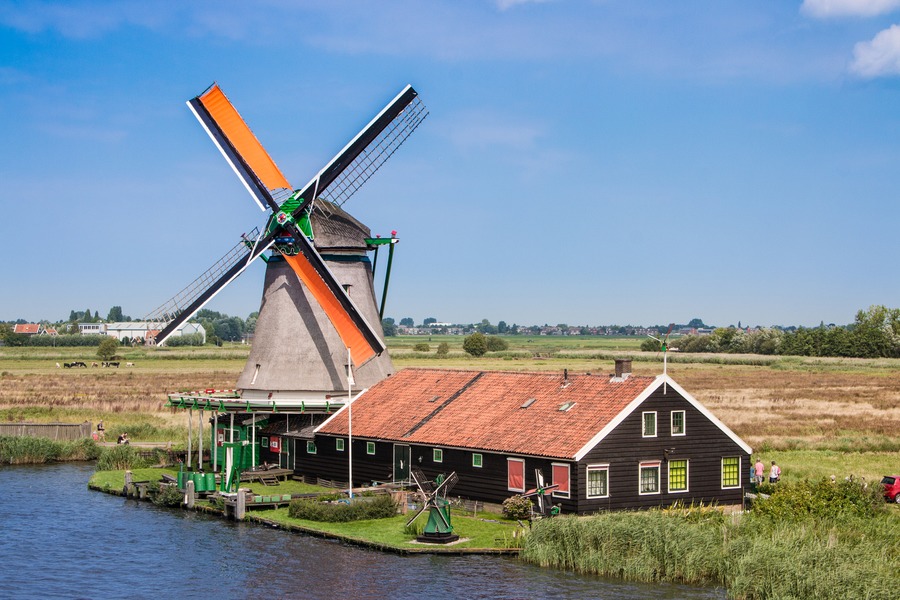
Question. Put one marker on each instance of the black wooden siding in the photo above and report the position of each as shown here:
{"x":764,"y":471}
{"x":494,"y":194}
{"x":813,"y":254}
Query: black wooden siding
{"x":704,"y":446}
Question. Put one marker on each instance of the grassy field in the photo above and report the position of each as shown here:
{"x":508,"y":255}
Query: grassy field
{"x":779,"y":405}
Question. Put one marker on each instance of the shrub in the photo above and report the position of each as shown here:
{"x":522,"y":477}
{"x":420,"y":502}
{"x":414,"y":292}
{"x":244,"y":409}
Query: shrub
{"x":517,"y":507}
{"x":192,"y":339}
{"x":421,"y":347}
{"x":358,"y":509}
{"x":496,"y":344}
{"x":475,"y":344}
{"x":821,"y":499}
{"x":443,"y":349}
{"x":168,"y":496}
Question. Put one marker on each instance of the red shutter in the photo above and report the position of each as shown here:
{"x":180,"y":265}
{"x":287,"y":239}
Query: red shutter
{"x":561,"y":476}
{"x":275,"y":444}
{"x":515,"y":479}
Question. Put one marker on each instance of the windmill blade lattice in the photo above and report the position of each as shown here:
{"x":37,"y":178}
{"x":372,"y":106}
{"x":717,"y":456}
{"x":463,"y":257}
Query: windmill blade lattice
{"x":374,"y":155}
{"x":181,"y":307}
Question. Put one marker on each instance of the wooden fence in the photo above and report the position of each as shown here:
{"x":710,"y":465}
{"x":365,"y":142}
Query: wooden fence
{"x":54,"y":431}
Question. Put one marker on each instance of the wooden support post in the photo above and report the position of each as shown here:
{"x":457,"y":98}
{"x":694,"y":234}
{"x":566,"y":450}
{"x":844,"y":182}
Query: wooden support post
{"x":129,"y":479}
{"x":189,"y":494}
{"x":240,"y":504}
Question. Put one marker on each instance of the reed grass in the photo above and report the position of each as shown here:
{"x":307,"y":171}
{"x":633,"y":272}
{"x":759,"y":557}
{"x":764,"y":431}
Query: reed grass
{"x":755,"y":557}
{"x":36,"y":450}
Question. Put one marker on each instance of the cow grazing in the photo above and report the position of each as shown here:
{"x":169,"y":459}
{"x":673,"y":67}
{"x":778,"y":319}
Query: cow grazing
{"x":129,"y":364}
{"x":57,"y":366}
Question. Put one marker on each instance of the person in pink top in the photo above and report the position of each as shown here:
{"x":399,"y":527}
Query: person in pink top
{"x":759,"y":469}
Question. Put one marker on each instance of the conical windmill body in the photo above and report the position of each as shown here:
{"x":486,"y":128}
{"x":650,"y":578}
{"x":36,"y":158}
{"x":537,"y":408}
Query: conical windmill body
{"x":314,"y":307}
{"x":296,"y":352}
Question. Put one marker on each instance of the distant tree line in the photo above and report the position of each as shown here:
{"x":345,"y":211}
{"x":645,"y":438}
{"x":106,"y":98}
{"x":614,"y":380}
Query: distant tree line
{"x":874,"y":334}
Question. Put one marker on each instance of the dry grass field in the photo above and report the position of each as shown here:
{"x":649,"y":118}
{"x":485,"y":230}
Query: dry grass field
{"x":773,"y":403}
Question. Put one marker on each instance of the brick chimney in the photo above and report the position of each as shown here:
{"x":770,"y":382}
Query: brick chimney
{"x":623,"y":368}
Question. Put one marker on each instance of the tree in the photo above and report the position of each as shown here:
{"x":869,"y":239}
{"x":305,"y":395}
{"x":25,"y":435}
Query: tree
{"x":407,"y":322}
{"x":115,"y":315}
{"x":388,"y":326}
{"x":502,"y":327}
{"x":485,"y":327}
{"x":428,"y":321}
{"x":107,"y":348}
{"x":696,"y":323}
{"x":475,"y":344}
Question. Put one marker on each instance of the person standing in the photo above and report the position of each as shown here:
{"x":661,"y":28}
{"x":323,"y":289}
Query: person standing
{"x":101,"y":430}
{"x":759,"y":470}
{"x":774,"y":473}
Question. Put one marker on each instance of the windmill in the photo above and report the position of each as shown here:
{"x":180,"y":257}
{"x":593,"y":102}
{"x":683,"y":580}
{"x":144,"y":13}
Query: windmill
{"x":540,"y":491}
{"x":316,"y":304}
{"x":439,"y":529}
{"x":664,"y":348}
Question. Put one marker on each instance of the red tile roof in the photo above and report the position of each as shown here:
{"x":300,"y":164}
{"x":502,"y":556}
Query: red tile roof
{"x":483,"y":410}
{"x":27,"y":328}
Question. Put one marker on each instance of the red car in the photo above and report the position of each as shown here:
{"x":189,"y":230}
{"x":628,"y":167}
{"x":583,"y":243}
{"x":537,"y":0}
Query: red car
{"x":891,"y":485}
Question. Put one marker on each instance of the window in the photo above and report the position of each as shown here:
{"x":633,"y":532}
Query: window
{"x":678,"y":476}
{"x":438,"y":455}
{"x":339,"y":444}
{"x":598,"y":481}
{"x":310,"y":447}
{"x":370,"y":447}
{"x":678,"y":422}
{"x":649,"y":477}
{"x":515,"y":474}
{"x":731,"y":472}
{"x":264,"y":442}
{"x":649,"y":428}
{"x":477,"y":460}
{"x":561,"y":476}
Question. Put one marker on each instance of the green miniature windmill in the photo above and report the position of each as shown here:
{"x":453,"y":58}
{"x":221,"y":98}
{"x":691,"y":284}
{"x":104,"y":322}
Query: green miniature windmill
{"x":439,"y":529}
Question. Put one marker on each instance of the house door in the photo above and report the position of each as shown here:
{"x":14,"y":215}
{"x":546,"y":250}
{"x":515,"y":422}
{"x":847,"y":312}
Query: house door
{"x":401,"y":462}
{"x":287,"y":451}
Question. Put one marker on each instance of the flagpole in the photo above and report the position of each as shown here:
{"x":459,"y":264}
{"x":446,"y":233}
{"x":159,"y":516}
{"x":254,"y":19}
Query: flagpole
{"x":350,"y":383}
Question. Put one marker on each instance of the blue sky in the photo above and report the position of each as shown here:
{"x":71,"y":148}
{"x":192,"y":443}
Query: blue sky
{"x":583,"y":162}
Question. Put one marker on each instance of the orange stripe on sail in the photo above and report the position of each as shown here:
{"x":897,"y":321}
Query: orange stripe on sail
{"x":360,"y":350}
{"x":235,"y":129}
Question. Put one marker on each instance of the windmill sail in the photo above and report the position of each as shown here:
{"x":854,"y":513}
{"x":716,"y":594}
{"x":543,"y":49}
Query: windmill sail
{"x":246,"y":155}
{"x":185,"y":304}
{"x":335,"y":182}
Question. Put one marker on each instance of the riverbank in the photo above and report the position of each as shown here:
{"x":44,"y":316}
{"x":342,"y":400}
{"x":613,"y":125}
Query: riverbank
{"x":818,"y":540}
{"x":488,"y":534}
{"x":36,"y":450}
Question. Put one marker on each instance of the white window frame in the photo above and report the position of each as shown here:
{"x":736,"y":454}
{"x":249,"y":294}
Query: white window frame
{"x":722,"y":473}
{"x":338,"y":444}
{"x":437,"y":455}
{"x":263,"y":441}
{"x":683,"y":423}
{"x":370,"y":448}
{"x":587,"y":480}
{"x":310,"y":444}
{"x":644,"y":424}
{"x":480,"y":460}
{"x":687,"y":476}
{"x":654,"y":464}
{"x":522,"y":462}
{"x":557,"y":493}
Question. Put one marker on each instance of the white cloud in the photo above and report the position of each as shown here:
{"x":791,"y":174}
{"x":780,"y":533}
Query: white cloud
{"x":507,"y":4}
{"x":823,"y":9}
{"x":879,"y":57}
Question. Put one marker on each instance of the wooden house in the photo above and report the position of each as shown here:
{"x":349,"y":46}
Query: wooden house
{"x":610,"y":442}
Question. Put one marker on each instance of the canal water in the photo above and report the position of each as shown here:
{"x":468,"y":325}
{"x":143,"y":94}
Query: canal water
{"x":60,"y":540}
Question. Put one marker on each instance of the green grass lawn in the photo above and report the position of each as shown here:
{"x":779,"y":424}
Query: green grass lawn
{"x":478,"y":532}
